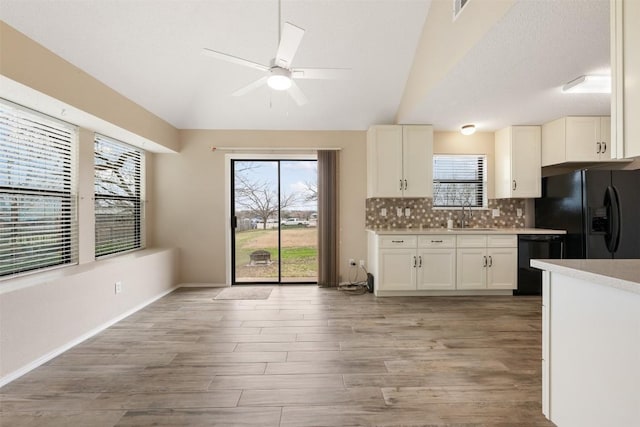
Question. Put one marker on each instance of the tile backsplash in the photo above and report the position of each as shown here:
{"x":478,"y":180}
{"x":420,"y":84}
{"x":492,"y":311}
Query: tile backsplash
{"x":423,"y":215}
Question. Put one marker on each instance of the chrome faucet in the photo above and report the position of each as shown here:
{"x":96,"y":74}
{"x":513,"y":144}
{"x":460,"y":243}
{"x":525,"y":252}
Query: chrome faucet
{"x":464,"y":219}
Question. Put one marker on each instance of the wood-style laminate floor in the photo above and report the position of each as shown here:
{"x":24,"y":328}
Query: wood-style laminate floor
{"x":304,"y":357}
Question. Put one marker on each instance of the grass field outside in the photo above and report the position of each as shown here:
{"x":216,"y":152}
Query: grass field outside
{"x":298,"y":250}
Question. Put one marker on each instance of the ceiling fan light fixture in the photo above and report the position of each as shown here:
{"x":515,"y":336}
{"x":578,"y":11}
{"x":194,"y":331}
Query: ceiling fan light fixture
{"x":280,"y":79}
{"x":468,"y":129}
{"x":589,"y":84}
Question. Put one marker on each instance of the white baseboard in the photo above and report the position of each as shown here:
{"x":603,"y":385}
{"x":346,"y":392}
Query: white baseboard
{"x":58,"y":351}
{"x":203,"y":285}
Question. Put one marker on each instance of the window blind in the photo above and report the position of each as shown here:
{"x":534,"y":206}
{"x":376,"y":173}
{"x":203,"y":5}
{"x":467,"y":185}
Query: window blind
{"x":38,"y":217}
{"x":118,"y":204}
{"x":459,"y":180}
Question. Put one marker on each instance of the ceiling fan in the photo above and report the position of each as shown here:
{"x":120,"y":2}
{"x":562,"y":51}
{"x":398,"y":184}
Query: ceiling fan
{"x":280,"y":74}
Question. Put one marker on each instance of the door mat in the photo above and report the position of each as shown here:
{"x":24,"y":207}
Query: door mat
{"x":245,"y":292}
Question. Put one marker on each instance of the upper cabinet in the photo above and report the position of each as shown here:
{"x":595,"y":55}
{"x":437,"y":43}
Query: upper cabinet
{"x":625,"y":72}
{"x":576,"y":139}
{"x":517,"y":168}
{"x":399,"y":161}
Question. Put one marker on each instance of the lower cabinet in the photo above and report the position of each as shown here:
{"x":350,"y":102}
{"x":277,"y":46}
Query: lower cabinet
{"x":487,"y":262}
{"x":408,"y":263}
{"x":415,"y":263}
{"x":397,"y":270}
{"x":436,"y":262}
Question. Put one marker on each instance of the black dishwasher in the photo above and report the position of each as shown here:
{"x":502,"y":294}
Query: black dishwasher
{"x":535,"y":246}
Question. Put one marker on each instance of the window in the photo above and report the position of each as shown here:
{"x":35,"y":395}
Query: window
{"x":459,"y":180}
{"x":118,"y":203}
{"x":38,"y":220}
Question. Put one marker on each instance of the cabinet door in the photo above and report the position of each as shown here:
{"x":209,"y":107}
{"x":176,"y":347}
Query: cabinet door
{"x":437,"y":269}
{"x":554,"y":142}
{"x":605,"y":138}
{"x":397,"y":269}
{"x":502,"y":269}
{"x":631,"y":66}
{"x":525,"y":161}
{"x":417,"y":159}
{"x":384,"y":161}
{"x":583,"y":139}
{"x":471,"y":272}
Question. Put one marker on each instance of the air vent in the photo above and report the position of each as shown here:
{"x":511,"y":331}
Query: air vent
{"x":458,"y":6}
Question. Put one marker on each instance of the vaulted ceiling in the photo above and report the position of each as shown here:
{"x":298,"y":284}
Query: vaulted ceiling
{"x":150,"y":51}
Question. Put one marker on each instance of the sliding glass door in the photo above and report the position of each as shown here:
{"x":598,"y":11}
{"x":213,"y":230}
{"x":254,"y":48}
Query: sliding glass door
{"x":274,"y":212}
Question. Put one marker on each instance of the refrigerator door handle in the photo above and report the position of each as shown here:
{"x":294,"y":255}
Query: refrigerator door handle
{"x":611,"y":200}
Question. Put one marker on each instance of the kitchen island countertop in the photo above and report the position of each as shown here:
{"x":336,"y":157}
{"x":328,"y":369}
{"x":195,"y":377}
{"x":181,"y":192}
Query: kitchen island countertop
{"x":618,"y":273}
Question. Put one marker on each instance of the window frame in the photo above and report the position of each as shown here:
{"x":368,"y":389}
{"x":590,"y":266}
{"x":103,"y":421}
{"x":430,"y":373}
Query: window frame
{"x":137,"y":239}
{"x":481,"y":181}
{"x":46,"y":135}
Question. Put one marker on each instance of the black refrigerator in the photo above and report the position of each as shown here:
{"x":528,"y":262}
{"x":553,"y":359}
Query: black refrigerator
{"x":599,"y":209}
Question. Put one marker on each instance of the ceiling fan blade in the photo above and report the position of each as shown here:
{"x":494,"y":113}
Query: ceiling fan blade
{"x":251,"y":86}
{"x":321,"y":73}
{"x":234,"y":59}
{"x":289,"y":42}
{"x":297,"y":95}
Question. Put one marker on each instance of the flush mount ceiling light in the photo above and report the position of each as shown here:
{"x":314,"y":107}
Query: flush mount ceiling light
{"x":280,"y":79}
{"x":588,"y":84}
{"x":468,"y":129}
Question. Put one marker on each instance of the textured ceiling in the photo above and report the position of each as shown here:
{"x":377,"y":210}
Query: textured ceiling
{"x":514,"y":75}
{"x":149,"y":51}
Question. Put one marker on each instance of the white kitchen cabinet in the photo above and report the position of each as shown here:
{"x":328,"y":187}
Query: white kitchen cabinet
{"x":397,"y":269}
{"x":436,"y":262}
{"x":397,"y":262}
{"x":399,"y":161}
{"x":443,"y":264}
{"x":517,"y":165}
{"x":486,"y":262}
{"x":625,"y":73}
{"x":576,"y":139}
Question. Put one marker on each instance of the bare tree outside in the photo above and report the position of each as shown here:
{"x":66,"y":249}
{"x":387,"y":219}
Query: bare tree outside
{"x":260,"y":198}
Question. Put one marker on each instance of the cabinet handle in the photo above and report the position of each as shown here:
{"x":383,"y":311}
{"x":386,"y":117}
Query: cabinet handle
{"x":400,"y":185}
{"x":604,"y":147}
{"x":485,"y":261}
{"x":490,"y":261}
{"x":397,"y":241}
{"x":599,"y":147}
{"x":515,"y":185}
{"x":415,"y":262}
{"x":420,"y":265}
{"x":405,"y":184}
{"x":436,"y":241}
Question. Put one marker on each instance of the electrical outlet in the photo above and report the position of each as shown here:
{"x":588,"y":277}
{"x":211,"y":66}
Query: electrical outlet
{"x":407,"y":212}
{"x":519,"y":212}
{"x":398,"y":212}
{"x":383,"y":212}
{"x":352,"y":262}
{"x":118,"y":287}
{"x":362,"y":263}
{"x":495,"y":212}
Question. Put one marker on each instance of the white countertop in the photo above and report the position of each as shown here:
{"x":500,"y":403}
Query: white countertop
{"x":465,"y":231}
{"x":618,"y":273}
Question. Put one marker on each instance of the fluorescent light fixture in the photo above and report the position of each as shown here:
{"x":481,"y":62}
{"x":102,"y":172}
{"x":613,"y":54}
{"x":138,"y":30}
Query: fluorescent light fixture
{"x":588,"y":84}
{"x":280,"y":79}
{"x":468,"y":129}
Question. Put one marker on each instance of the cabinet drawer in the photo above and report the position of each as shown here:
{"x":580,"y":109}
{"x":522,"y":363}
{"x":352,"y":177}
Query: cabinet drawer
{"x":472,"y":241}
{"x":437,"y":241}
{"x":502,"y":241}
{"x":388,"y":242}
